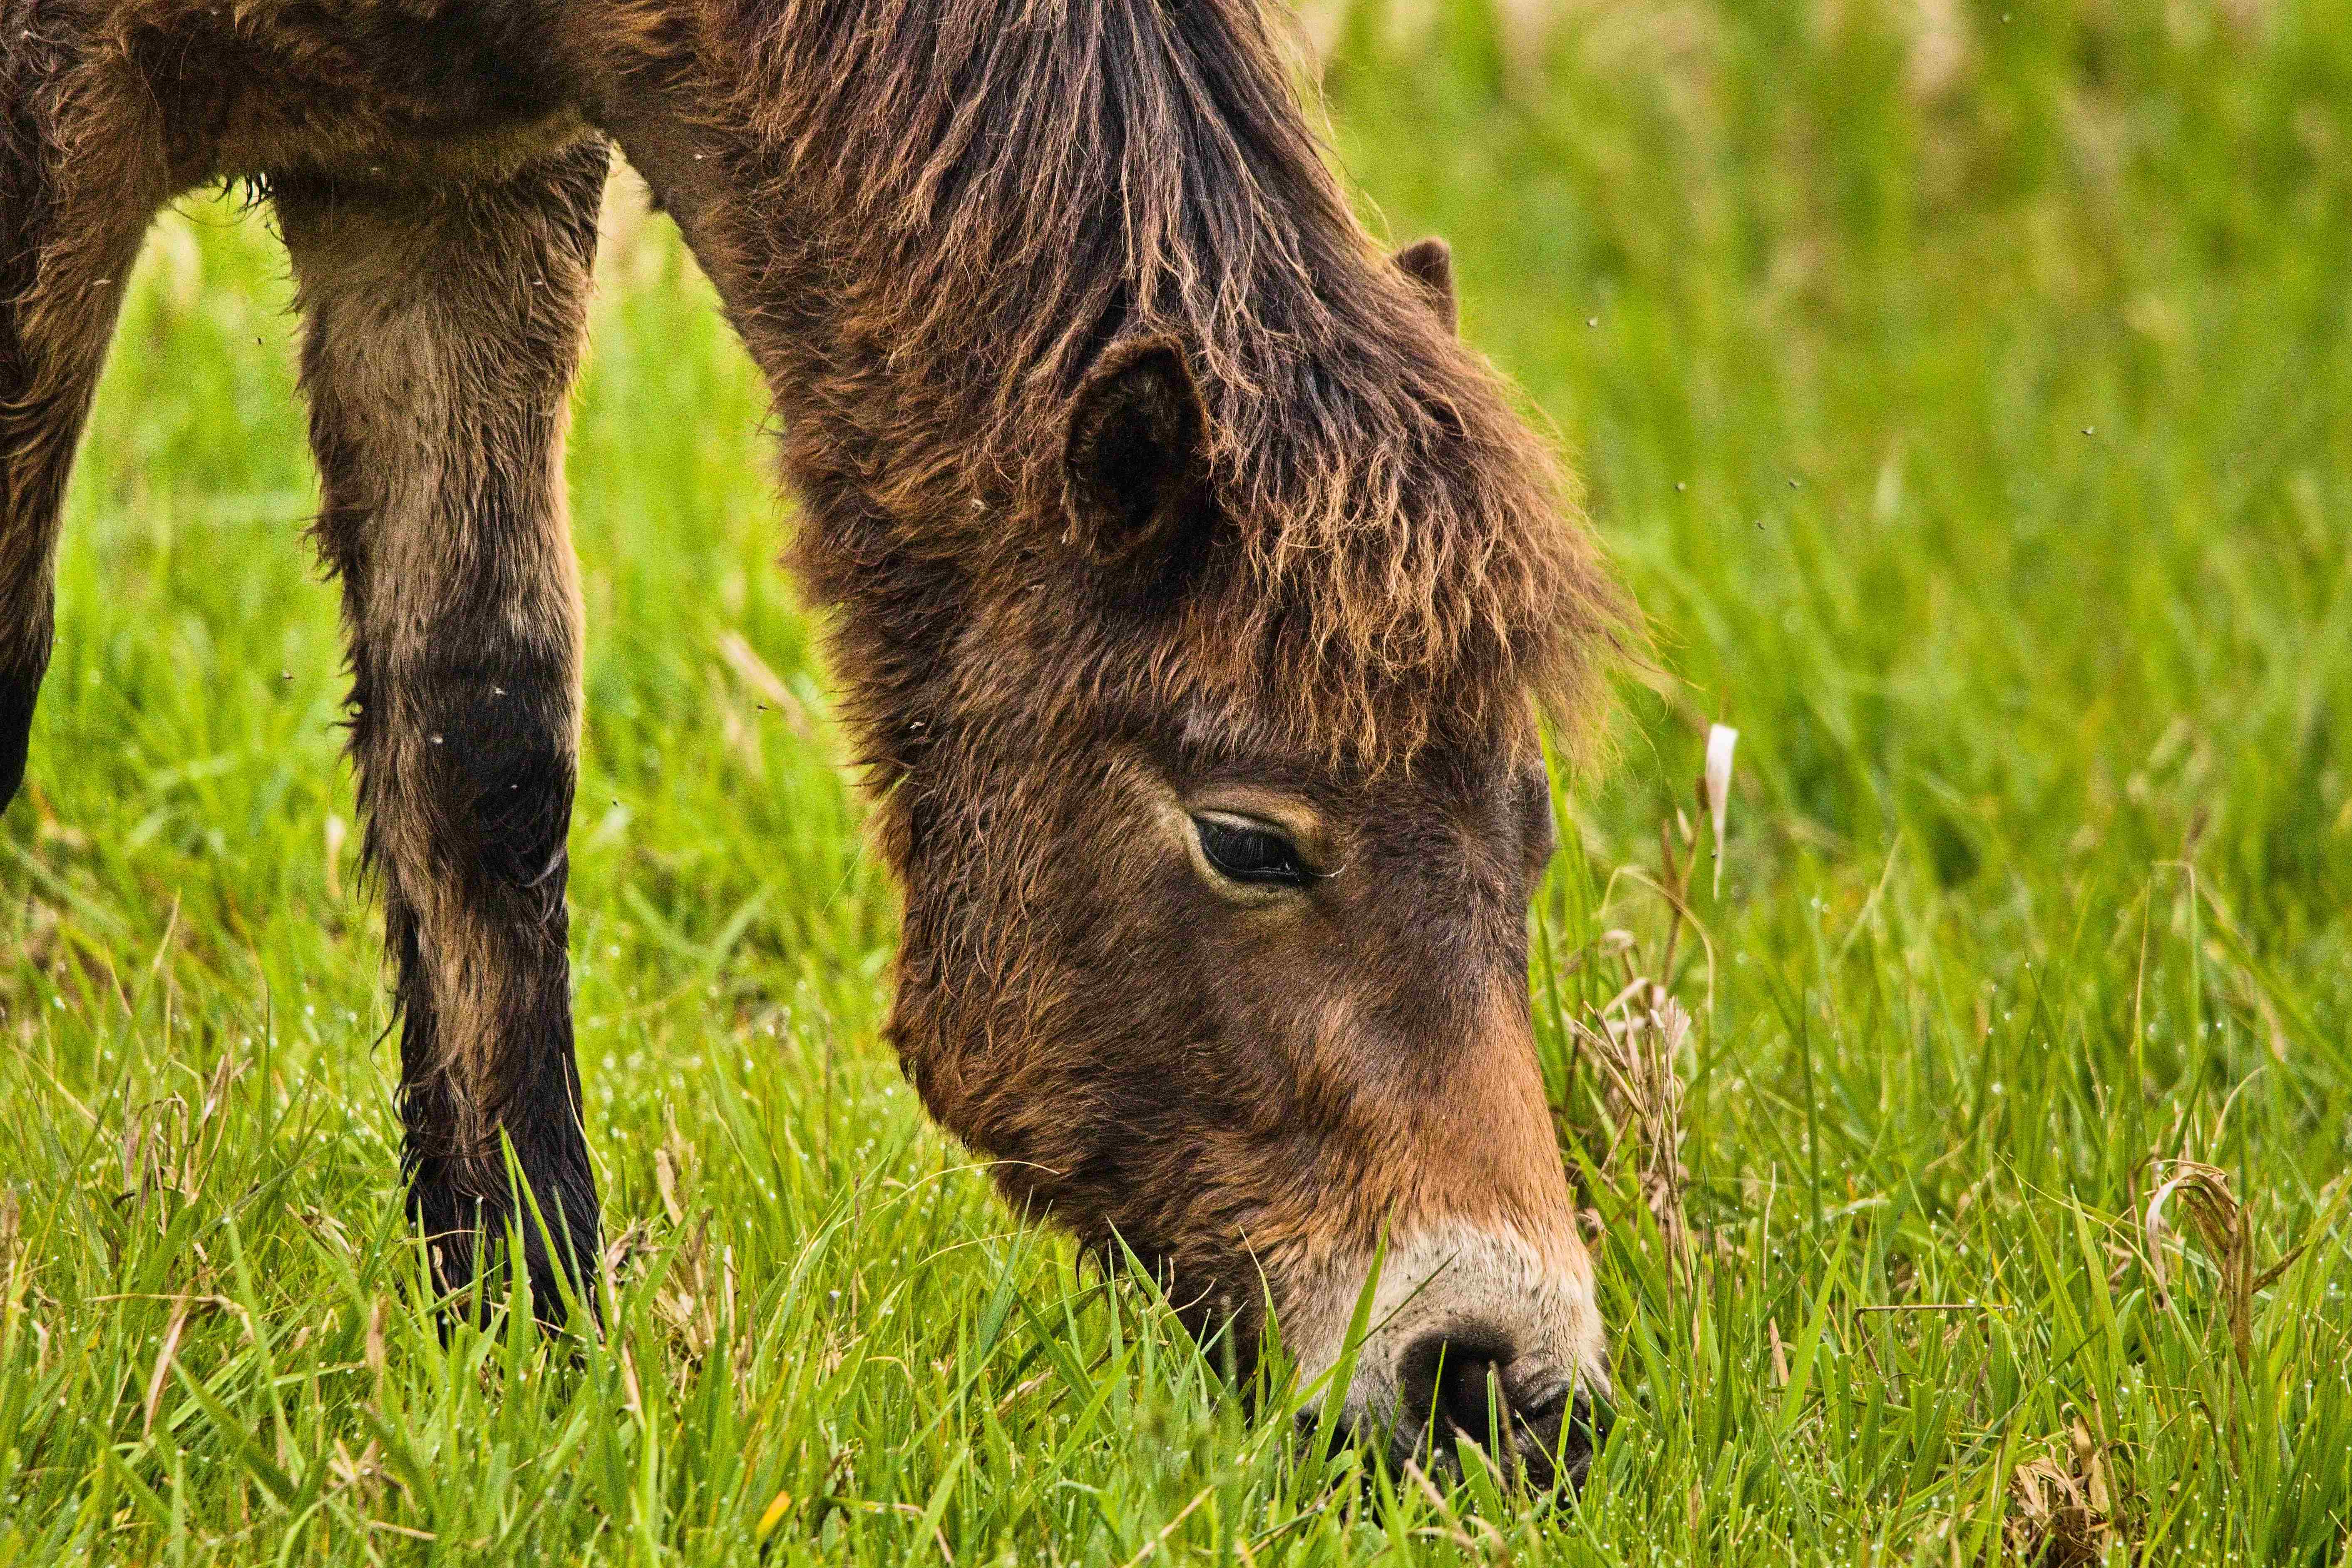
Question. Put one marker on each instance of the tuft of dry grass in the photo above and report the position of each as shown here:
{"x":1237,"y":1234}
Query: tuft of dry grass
{"x":1639,"y":1038}
{"x":1635,"y":1042}
{"x":2062,"y":1510}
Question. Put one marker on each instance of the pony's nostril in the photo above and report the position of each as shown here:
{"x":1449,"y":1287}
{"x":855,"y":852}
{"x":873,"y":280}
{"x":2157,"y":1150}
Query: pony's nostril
{"x":1468,"y":1397}
{"x":1545,"y":1415}
{"x":1553,"y":1436}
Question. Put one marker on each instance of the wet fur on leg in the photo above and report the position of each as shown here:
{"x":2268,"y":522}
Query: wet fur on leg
{"x":444,"y":520}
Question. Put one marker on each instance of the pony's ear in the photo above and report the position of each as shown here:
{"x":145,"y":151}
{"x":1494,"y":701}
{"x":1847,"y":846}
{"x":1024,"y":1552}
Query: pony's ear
{"x":1430,"y":264}
{"x":1136,"y":448}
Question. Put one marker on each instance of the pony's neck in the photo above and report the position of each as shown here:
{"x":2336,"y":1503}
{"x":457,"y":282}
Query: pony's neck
{"x":686,"y":162}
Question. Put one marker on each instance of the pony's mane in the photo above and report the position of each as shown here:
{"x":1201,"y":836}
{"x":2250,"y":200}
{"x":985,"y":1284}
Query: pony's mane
{"x":1008,"y":186}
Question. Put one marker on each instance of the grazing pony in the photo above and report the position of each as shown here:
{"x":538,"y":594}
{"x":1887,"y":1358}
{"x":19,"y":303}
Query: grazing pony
{"x":1196,"y":599}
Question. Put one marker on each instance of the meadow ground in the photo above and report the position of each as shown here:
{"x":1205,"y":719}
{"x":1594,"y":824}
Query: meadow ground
{"x":1967,"y":393}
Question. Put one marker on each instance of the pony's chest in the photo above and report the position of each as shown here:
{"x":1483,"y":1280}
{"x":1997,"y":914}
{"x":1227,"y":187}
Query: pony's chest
{"x":399,"y":89}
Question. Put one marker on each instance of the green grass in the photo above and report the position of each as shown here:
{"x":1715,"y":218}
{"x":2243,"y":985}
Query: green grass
{"x":1974,"y":424}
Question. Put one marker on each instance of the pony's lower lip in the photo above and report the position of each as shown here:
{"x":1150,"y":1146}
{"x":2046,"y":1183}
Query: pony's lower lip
{"x":1424,"y":1436}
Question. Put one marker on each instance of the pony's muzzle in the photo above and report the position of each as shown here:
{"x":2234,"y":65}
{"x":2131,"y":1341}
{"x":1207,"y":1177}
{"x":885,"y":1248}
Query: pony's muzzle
{"x":1471,"y":1335}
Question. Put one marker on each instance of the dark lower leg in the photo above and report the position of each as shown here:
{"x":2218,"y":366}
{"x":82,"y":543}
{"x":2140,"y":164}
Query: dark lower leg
{"x":469,"y":831}
{"x":20,"y":685}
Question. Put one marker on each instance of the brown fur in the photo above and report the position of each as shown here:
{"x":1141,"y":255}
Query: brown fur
{"x":1136,"y":483}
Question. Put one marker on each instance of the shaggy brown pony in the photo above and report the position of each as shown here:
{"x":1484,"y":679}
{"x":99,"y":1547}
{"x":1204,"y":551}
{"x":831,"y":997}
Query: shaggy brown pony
{"x":1197,"y":599}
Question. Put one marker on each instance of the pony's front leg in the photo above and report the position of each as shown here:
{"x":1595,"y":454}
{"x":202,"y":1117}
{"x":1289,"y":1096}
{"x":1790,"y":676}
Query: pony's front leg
{"x":443,"y":327}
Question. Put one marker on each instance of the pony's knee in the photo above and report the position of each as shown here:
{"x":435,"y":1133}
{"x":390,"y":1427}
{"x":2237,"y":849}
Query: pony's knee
{"x":501,"y":761}
{"x":467,"y":769}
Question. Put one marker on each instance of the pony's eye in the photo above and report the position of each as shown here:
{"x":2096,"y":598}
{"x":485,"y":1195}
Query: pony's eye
{"x":1243,"y":852}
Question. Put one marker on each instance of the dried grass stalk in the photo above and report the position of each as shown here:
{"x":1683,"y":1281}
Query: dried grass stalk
{"x":1640,"y":1038}
{"x":2220,"y":1223}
